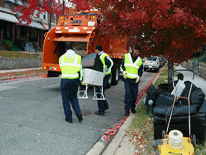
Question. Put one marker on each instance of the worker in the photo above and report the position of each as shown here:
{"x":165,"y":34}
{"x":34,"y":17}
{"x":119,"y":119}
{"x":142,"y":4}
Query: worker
{"x":107,"y":66}
{"x":71,"y":78}
{"x":132,"y":69}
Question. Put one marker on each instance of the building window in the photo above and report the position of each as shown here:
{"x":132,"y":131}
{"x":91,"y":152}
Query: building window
{"x":8,"y":32}
{"x":7,"y":5}
{"x":23,"y":30}
{"x":44,"y":15}
{"x":33,"y":33}
{"x":2,"y":3}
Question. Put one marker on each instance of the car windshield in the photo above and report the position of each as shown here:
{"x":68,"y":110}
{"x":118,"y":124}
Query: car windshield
{"x":152,"y":58}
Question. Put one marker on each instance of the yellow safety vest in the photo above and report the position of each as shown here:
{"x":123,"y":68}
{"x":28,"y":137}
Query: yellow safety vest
{"x":132,"y":68}
{"x":70,"y":67}
{"x":102,"y":57}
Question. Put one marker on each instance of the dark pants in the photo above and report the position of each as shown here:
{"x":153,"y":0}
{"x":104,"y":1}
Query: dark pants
{"x":102,"y":103}
{"x":69,"y":95}
{"x":131,"y":92}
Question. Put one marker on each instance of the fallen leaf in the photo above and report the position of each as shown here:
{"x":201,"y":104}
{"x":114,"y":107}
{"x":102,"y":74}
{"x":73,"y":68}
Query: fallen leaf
{"x":127,"y":134}
{"x":130,"y":140}
{"x":38,"y":134}
{"x":146,"y":126}
{"x":114,"y":118}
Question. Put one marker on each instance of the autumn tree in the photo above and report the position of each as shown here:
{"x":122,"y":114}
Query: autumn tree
{"x":31,"y":8}
{"x":161,"y":27}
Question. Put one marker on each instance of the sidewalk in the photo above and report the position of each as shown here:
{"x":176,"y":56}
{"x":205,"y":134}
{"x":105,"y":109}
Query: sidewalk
{"x":120,"y":139}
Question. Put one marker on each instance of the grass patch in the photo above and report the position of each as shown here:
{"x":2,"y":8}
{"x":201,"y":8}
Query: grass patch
{"x":160,"y":80}
{"x":163,"y":74}
{"x":200,"y":149}
{"x":23,"y":73}
{"x":15,"y":54}
{"x":141,"y":131}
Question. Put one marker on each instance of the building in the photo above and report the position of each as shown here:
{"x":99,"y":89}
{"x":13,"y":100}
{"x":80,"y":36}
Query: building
{"x":11,"y":29}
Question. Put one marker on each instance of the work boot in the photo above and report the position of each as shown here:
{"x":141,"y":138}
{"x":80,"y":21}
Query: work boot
{"x":127,"y":113}
{"x":133,"y":110}
{"x":69,"y":121}
{"x":80,"y":118}
{"x":106,"y":107}
{"x":99,"y":113}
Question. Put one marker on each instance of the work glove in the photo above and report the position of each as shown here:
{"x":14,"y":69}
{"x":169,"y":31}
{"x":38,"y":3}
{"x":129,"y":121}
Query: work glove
{"x":125,"y":74}
{"x":105,"y":70}
{"x":137,"y":80}
{"x":83,"y":83}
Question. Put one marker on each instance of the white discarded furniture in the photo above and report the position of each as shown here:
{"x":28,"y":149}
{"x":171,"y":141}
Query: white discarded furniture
{"x":92,"y":78}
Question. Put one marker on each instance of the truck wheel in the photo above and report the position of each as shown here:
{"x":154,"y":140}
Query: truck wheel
{"x":115,"y":74}
{"x":109,"y":82}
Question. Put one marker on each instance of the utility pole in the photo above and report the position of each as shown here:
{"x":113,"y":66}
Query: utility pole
{"x":170,"y":72}
{"x":49,"y":24}
{"x":63,"y":7}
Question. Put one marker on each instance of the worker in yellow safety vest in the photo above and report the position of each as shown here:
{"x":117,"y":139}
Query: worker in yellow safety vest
{"x":107,"y":67}
{"x":71,"y":77}
{"x":132,"y":69}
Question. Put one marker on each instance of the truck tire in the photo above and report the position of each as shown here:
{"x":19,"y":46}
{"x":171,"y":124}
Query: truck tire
{"x":109,"y":82}
{"x":115,"y":74}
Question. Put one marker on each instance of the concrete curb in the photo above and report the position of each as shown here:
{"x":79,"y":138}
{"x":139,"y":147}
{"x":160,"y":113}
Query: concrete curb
{"x":113,"y":146}
{"x":97,"y":148}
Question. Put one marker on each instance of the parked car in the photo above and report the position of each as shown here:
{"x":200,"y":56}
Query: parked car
{"x":163,"y":61}
{"x":151,"y":63}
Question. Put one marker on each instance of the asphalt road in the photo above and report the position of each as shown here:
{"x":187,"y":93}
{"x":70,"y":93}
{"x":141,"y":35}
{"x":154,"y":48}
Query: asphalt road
{"x":32,"y":119}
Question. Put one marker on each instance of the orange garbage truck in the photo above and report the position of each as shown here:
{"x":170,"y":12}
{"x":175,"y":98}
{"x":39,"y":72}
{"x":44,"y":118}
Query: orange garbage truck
{"x":81,"y":29}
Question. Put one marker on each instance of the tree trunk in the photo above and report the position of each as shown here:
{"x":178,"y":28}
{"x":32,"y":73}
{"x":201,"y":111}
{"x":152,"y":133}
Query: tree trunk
{"x":170,"y":72}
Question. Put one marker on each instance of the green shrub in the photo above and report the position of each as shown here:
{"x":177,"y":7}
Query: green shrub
{"x":34,"y":44}
{"x":8,"y":45}
{"x":196,"y":54}
{"x":21,"y":43}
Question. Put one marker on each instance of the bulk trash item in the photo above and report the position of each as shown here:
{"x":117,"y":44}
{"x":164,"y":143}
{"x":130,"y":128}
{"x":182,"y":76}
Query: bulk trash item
{"x":93,"y":76}
{"x":177,"y":91}
{"x":163,"y":87}
{"x":192,"y":122}
{"x":165,"y":98}
{"x":197,"y":95}
{"x":152,"y":95}
{"x":92,"y":61}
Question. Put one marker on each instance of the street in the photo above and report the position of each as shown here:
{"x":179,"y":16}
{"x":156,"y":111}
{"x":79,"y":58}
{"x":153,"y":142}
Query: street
{"x":32,"y":117}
